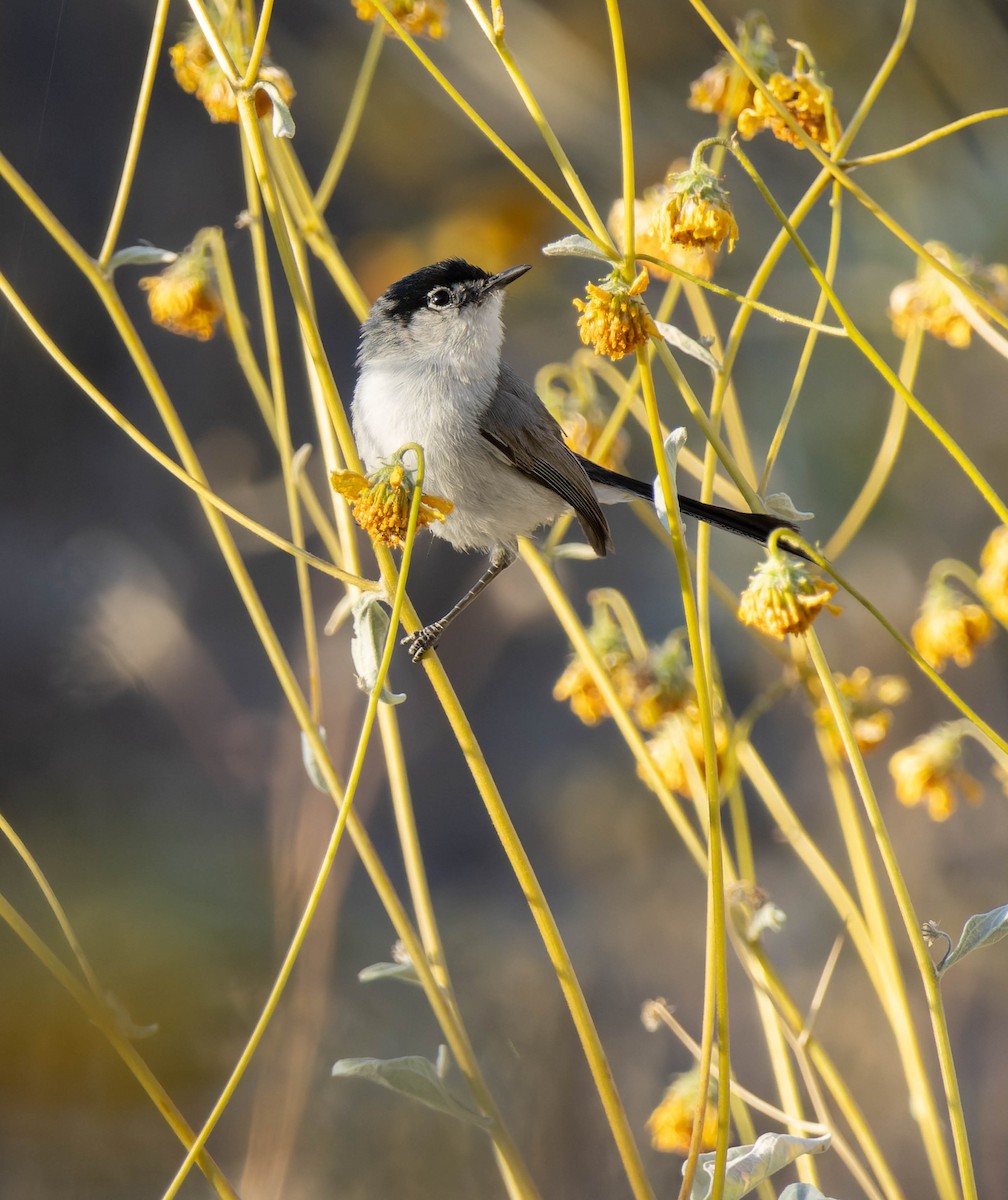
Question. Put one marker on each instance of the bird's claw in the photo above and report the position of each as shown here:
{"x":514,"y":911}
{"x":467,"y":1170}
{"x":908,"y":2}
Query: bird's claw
{"x":423,"y":640}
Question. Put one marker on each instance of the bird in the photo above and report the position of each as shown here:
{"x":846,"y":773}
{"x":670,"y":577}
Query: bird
{"x":430,"y":371}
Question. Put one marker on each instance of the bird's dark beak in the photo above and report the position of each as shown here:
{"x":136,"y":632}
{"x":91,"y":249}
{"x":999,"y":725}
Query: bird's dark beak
{"x":506,"y":277}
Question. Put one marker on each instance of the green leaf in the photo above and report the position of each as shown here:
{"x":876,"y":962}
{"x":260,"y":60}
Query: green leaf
{"x":687,"y":345}
{"x":283,"y":122}
{"x":405,"y":972}
{"x":801,"y":1191}
{"x":412,"y":1076}
{"x":748,"y":1166}
{"x":371,"y":627}
{"x":983,"y":929}
{"x":674,"y":442}
{"x":577,"y":246}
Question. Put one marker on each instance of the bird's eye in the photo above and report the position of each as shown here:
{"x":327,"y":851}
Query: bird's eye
{"x":439,"y":297}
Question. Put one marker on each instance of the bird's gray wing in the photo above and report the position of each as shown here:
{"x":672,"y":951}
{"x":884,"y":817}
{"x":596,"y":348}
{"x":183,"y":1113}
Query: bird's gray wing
{"x":520,"y":428}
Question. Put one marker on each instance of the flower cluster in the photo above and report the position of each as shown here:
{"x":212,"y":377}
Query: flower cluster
{"x":198,"y":72}
{"x":614,"y":320}
{"x":184,"y":299}
{"x":724,"y":89}
{"x":784,"y":597}
{"x":992,"y":584}
{"x":697,"y":260}
{"x":420,"y":18}
{"x":569,"y":392}
{"x":671,"y":1123}
{"x":932,"y":302}
{"x":949,"y":627}
{"x":867,"y":700}
{"x":381,"y":501}
{"x":695,"y":213}
{"x":804,"y":96}
{"x":929,"y":773}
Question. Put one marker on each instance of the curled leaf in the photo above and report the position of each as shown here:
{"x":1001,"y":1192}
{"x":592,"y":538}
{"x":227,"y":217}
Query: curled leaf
{"x":779,"y":504}
{"x":404,"y":972}
{"x":412,"y":1076}
{"x":141,"y":256}
{"x":982,"y":929}
{"x":283,"y":122}
{"x":124,"y":1023}
{"x":311,"y":763}
{"x":674,"y":442}
{"x":367,"y":647}
{"x":575,"y":245}
{"x":686,"y":345}
{"x":748,"y":1166}
{"x":801,"y":1191}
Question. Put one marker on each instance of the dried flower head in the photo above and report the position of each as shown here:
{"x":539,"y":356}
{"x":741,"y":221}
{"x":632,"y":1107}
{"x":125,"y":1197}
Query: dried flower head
{"x":724,"y":89}
{"x":992,"y":585}
{"x":697,"y":260}
{"x":671,"y":1123}
{"x":381,"y":501}
{"x":198,"y":72}
{"x":866,"y":699}
{"x":677,"y":748}
{"x":929,"y":772}
{"x":664,"y":683}
{"x":930,"y":301}
{"x":614,"y":320}
{"x":695,"y":212}
{"x":805,"y":97}
{"x":949,"y":627}
{"x":784,"y":597}
{"x":576,"y":683}
{"x":420,"y":18}
{"x":184,"y":298}
{"x":568,"y":390}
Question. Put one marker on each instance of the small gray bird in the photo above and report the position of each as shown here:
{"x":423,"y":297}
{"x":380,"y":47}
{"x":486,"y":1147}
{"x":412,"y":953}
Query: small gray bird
{"x":430,"y":372}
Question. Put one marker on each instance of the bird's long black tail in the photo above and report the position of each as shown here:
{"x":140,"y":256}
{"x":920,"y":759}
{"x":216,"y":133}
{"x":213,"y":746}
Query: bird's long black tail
{"x":755,"y":526}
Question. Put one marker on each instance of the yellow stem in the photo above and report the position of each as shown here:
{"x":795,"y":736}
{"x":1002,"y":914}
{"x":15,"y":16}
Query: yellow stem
{"x":258,"y":44}
{"x":626,"y":133}
{"x":352,"y":120}
{"x":931,"y":1128}
{"x":888,"y":450}
{"x":868,"y":160}
{"x":99,"y":1016}
{"x":136,"y":134}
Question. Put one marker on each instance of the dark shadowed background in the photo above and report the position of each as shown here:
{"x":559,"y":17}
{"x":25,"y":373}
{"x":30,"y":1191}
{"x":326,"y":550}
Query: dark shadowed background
{"x":147,"y":756}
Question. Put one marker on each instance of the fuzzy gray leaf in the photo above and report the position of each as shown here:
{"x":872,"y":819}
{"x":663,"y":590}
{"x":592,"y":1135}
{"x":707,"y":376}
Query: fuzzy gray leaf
{"x":412,"y":1076}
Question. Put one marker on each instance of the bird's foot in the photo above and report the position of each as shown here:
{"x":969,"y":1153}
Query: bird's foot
{"x":423,"y":640}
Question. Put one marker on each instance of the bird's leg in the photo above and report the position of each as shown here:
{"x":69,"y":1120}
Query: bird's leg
{"x":427,"y":638}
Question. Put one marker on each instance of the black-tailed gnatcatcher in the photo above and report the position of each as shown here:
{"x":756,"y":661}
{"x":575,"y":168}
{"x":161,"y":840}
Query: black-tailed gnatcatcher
{"x":430,"y":372}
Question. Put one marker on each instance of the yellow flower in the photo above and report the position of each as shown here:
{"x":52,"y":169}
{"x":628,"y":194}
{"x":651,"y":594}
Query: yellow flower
{"x":929,"y":772}
{"x":698,"y":260}
{"x":695,"y":212}
{"x":381,"y":501}
{"x":664,"y":684}
{"x":198,"y":72}
{"x":576,"y":683}
{"x":928,"y":299}
{"x":783,"y":597}
{"x":671,"y":1123}
{"x":992,"y":586}
{"x":418,"y":17}
{"x":677,"y":747}
{"x":614,"y":321}
{"x":805,"y":98}
{"x":866,"y":699}
{"x":723,"y":89}
{"x":568,"y":390}
{"x":949,"y":627}
{"x":183,"y":298}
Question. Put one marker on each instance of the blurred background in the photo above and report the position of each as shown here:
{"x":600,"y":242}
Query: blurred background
{"x":148,"y":758}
